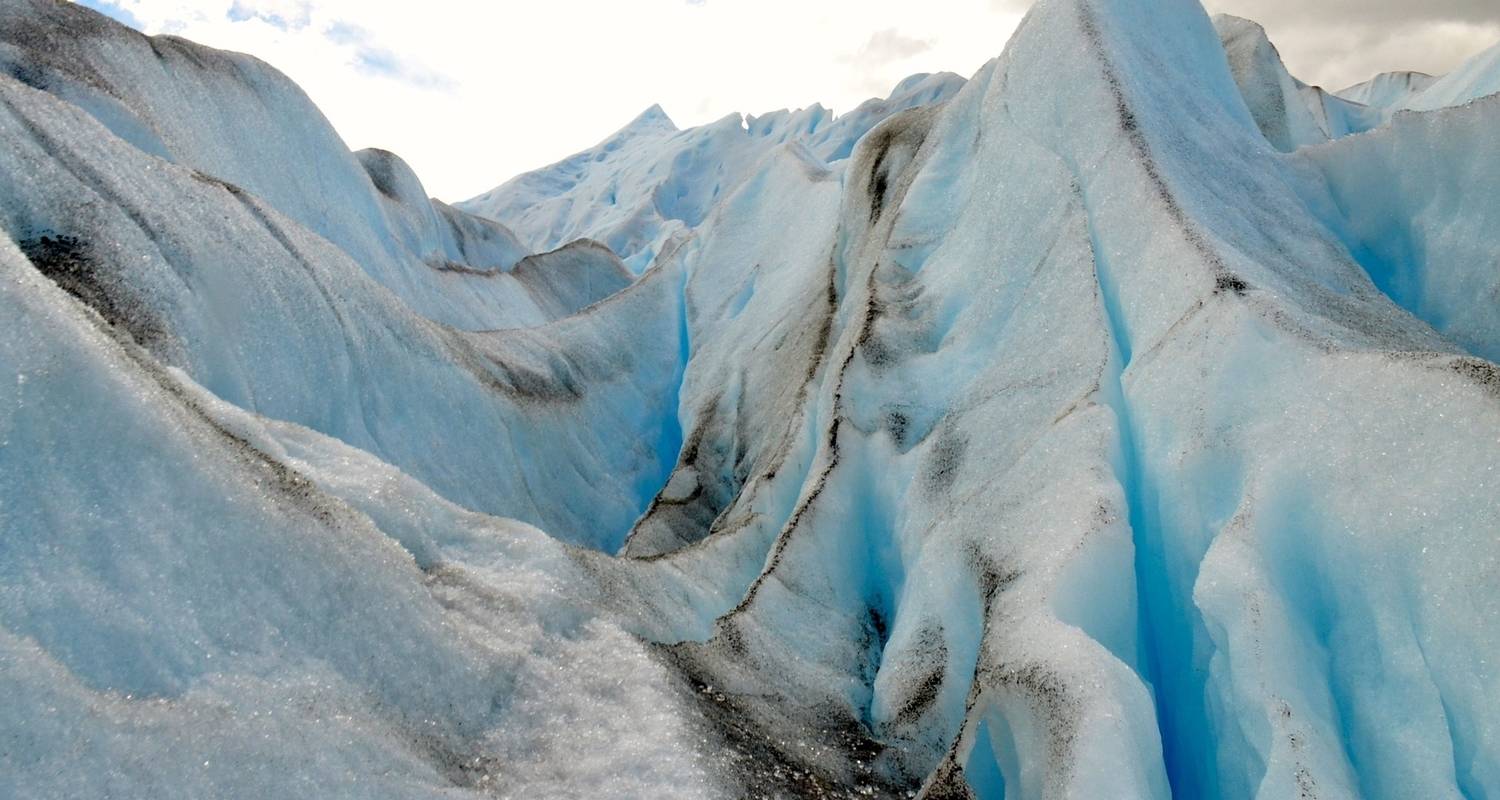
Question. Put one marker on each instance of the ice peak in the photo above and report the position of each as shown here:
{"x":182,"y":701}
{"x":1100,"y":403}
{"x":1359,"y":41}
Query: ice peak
{"x":653,"y":118}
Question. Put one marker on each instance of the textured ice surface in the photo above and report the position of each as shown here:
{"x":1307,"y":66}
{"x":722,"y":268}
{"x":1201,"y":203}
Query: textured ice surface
{"x":275,"y":319}
{"x":1413,"y":205}
{"x":1289,"y":112}
{"x":187,"y":614}
{"x":237,"y":119}
{"x":650,"y":183}
{"x":1389,"y":92}
{"x":1478,"y":77}
{"x":1388,"y":89}
{"x":1119,"y":422}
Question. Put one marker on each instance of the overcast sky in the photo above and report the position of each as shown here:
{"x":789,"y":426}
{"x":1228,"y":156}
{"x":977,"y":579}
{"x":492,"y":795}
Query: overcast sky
{"x":471,"y":93}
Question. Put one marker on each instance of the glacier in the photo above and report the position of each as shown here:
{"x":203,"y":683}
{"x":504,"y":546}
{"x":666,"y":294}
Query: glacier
{"x":1477,"y":77}
{"x":1120,"y":421}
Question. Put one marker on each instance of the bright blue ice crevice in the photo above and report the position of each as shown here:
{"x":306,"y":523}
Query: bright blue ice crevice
{"x":982,"y":771}
{"x":1162,"y":654}
{"x":672,"y":441}
{"x":873,"y":520}
{"x":669,"y":441}
{"x":1166,"y":657}
{"x":1178,"y":648}
{"x":1261,"y":607}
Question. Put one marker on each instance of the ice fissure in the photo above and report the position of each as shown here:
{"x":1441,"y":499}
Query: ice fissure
{"x":1119,"y":422}
{"x":1165,"y":658}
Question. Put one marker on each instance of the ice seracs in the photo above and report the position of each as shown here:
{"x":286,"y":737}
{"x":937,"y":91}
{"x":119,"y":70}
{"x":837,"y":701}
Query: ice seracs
{"x":650,"y":184}
{"x":1388,"y":89}
{"x":1119,"y":422}
{"x":1477,"y":77}
{"x":1289,"y":112}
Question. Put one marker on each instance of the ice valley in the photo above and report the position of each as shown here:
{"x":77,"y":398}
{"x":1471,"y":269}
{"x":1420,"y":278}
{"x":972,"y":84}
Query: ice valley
{"x":1122,"y":421}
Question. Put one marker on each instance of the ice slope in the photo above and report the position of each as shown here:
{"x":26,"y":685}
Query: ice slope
{"x":760,"y":314}
{"x":1406,"y":197}
{"x":237,"y":119}
{"x":272,"y":318}
{"x":1069,"y":439}
{"x":1477,"y":77}
{"x":1289,"y":112}
{"x":1388,"y":89}
{"x":185,"y":613}
{"x":649,"y":183}
{"x":572,"y":277}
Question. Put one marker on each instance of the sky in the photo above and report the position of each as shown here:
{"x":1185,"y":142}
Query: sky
{"x":471,"y":93}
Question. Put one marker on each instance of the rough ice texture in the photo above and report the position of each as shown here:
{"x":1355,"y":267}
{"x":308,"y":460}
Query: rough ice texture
{"x":1115,"y":423}
{"x":649,"y":184}
{"x":237,"y":119}
{"x":1388,"y":89}
{"x":1390,"y":92}
{"x":1289,"y":112}
{"x":1475,"y":78}
{"x":276,"y":320}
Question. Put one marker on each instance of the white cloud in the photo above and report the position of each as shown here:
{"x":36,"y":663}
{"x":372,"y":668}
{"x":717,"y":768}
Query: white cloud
{"x":885,"y":49}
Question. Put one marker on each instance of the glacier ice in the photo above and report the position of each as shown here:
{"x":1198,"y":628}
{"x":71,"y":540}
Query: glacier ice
{"x":1122,"y":421}
{"x":1289,"y":112}
{"x":648,"y":184}
{"x":1388,"y":89}
{"x":1390,"y":92}
{"x":1476,"y":78}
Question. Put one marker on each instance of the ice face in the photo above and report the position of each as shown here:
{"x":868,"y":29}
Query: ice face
{"x":237,"y":119}
{"x":1390,"y":92}
{"x":277,"y":320}
{"x":241,"y":607}
{"x":1408,"y":202}
{"x":1289,"y":112}
{"x":1115,"y":423}
{"x":1475,"y":78}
